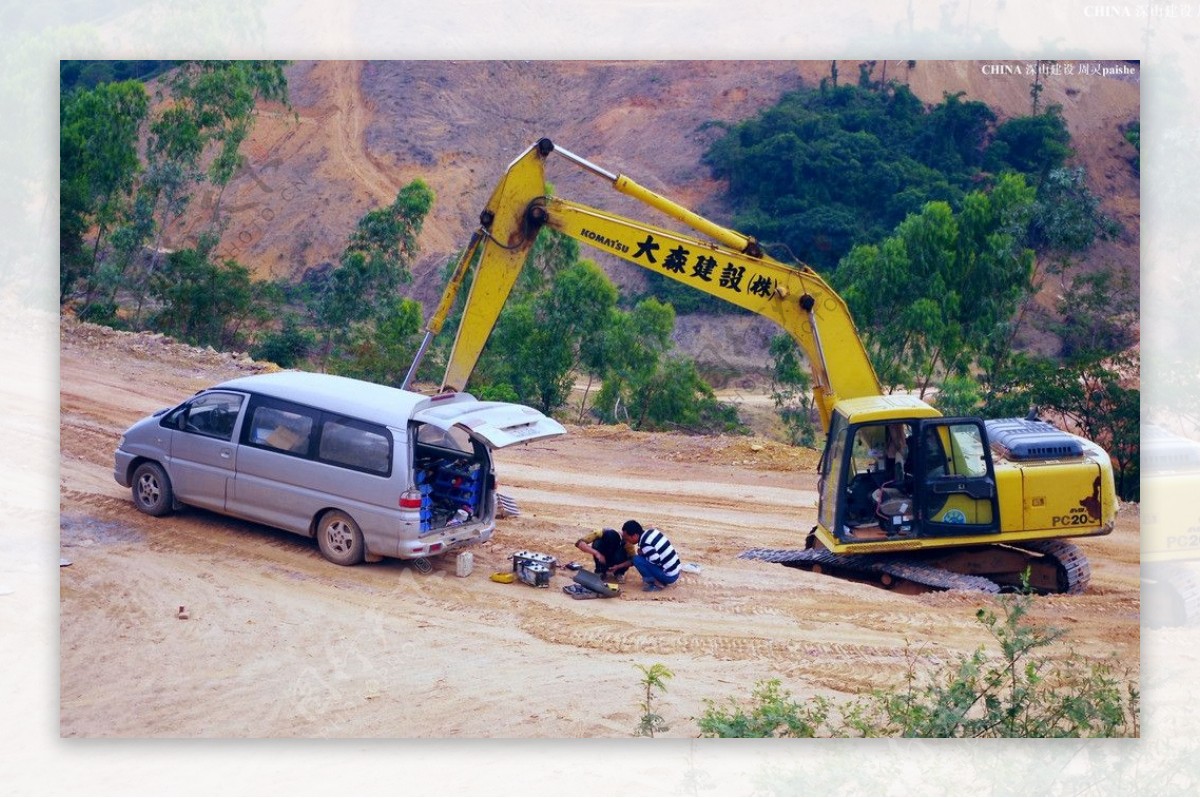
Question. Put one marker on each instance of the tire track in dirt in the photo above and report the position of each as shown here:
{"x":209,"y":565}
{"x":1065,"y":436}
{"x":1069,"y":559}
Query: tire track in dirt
{"x":86,"y":440}
{"x":832,"y":663}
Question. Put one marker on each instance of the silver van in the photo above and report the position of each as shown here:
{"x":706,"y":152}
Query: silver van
{"x":367,"y":470}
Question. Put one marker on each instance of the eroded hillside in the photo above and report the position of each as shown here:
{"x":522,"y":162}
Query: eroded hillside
{"x":358,"y":131}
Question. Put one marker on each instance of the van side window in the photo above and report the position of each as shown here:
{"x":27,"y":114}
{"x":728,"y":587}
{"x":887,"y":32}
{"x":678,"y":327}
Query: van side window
{"x":286,"y":430}
{"x":212,"y":414}
{"x":356,"y":444}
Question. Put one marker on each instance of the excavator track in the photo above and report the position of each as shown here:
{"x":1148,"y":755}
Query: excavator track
{"x":1060,"y":568}
{"x":887,"y":570}
{"x":1075,"y":573}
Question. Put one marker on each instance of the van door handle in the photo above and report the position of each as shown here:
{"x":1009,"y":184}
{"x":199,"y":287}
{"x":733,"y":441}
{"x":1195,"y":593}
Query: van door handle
{"x":226,"y":454}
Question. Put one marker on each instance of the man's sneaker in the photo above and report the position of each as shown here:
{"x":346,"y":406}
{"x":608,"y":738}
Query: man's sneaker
{"x":650,"y":587}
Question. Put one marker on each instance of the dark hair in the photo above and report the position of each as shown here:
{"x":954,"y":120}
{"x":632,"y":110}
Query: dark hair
{"x":632,"y":528}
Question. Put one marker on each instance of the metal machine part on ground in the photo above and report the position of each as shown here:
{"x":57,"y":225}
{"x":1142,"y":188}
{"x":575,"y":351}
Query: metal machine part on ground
{"x":533,"y":568}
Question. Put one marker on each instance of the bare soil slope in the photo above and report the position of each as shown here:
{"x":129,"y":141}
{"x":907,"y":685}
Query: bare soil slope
{"x":359,"y":131}
{"x":280,"y":643}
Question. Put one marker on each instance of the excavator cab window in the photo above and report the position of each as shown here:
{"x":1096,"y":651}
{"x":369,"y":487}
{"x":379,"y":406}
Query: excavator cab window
{"x":955,"y":488}
{"x":907,"y":478}
{"x":874,"y":463}
{"x":832,"y":476}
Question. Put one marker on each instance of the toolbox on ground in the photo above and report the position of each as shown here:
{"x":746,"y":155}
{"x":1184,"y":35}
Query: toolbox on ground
{"x":533,"y":568}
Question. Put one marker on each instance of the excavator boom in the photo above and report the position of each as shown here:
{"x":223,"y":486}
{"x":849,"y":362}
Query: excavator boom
{"x":730,"y":266}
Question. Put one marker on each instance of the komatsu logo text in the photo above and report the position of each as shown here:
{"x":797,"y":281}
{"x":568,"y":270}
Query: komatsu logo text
{"x":605,"y":241}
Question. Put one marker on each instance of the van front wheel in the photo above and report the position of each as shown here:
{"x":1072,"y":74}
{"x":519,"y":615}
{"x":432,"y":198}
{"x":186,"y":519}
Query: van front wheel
{"x":340,"y":539}
{"x":152,"y":489}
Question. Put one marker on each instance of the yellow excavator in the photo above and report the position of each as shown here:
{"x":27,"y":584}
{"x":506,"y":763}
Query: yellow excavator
{"x":907,"y":498}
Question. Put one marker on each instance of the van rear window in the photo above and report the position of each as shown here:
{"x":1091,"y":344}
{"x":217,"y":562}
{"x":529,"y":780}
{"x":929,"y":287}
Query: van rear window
{"x":355,"y":444}
{"x":455,"y":438}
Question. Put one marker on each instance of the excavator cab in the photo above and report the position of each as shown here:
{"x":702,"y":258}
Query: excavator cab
{"x":890,"y":478}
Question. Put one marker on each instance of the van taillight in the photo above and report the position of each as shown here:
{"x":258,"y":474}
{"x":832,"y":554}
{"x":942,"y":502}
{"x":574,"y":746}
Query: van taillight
{"x":410,"y":500}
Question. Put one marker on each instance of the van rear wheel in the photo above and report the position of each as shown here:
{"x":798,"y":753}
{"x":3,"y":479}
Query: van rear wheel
{"x":340,"y":539}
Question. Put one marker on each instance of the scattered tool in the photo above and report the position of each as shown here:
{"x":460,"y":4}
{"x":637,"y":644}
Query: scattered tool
{"x":588,"y":586}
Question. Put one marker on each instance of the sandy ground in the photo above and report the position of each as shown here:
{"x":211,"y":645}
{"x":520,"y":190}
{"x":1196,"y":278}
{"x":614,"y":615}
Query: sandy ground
{"x":280,"y":643}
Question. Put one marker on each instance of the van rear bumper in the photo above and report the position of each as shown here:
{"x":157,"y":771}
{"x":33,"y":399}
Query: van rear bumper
{"x":451,"y":539}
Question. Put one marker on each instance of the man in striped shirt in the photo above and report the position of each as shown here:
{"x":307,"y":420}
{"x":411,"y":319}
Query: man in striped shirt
{"x":656,"y":559}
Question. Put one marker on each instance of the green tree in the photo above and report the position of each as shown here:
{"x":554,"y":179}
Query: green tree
{"x":654,"y":681}
{"x":1066,"y":217}
{"x":540,"y":339}
{"x":74,"y":74}
{"x":286,"y":347}
{"x":958,"y":395}
{"x":213,"y":111}
{"x":377,"y":260}
{"x":207,"y":303}
{"x":1034,"y":145}
{"x":999,"y":271}
{"x":1036,"y":88}
{"x":98,"y":162}
{"x":207,"y":109}
{"x":379,"y":349}
{"x":628,"y":354}
{"x":954,"y":136}
{"x":937,"y":295}
{"x":1098,"y":314}
{"x":675,"y":396}
{"x":791,"y":390}
{"x":825,"y":170}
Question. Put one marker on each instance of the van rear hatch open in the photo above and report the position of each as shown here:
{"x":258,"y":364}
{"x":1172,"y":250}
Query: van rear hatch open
{"x":496,"y":424}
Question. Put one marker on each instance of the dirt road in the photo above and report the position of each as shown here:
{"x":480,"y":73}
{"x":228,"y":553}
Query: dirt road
{"x":279,"y":643}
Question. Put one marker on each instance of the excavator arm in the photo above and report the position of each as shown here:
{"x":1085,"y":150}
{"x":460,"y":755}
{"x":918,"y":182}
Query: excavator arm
{"x":730,"y":266}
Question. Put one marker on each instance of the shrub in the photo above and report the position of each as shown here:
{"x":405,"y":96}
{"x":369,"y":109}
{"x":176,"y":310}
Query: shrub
{"x":1019,"y":693}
